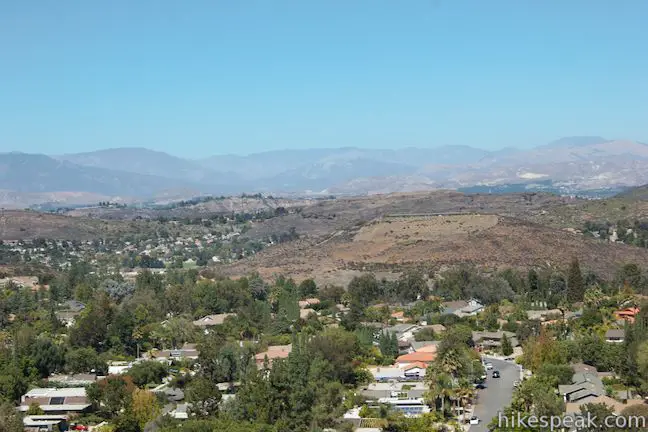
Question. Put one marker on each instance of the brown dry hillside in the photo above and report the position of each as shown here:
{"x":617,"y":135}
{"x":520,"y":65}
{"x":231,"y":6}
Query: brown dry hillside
{"x":18,"y":225}
{"x":325,"y":217}
{"x":393,"y":243}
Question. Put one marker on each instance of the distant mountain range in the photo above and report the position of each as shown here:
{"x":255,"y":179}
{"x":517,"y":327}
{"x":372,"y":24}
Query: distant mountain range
{"x":571,"y":164}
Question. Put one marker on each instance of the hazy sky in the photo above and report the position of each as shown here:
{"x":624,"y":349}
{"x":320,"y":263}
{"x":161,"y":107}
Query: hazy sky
{"x":196,"y":78}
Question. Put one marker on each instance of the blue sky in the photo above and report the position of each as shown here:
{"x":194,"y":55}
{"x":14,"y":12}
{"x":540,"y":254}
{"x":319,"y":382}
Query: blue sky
{"x":198,"y":78}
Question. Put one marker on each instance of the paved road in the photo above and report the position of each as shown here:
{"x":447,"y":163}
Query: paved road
{"x":497,"y":394}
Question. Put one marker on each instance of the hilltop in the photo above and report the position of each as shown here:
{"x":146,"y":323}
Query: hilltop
{"x":433,"y":242}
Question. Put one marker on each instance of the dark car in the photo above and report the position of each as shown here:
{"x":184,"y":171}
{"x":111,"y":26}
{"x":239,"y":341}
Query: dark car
{"x":480,"y":386}
{"x":496,"y":374}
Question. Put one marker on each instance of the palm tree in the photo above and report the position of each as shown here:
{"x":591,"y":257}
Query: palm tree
{"x":441,"y":387}
{"x":450,"y":363}
{"x":464,"y":393}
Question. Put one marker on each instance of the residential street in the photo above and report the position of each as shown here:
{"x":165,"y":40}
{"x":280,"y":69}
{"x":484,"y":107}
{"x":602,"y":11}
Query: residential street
{"x":497,"y":395}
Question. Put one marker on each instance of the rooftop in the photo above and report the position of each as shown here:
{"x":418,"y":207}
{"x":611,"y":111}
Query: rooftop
{"x":212,"y":320}
{"x":425,"y":357}
{"x":56,"y":392}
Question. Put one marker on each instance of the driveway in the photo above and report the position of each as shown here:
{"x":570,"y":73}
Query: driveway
{"x":497,"y":394}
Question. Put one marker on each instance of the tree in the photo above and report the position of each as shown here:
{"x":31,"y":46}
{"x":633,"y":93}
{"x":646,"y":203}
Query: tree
{"x":599,"y":411}
{"x":147,"y":372}
{"x":630,"y":275}
{"x":507,"y":348}
{"x":204,"y":396}
{"x":307,"y":288}
{"x":111,"y":394}
{"x":364,"y":289}
{"x":10,"y":419}
{"x":575,"y":284}
{"x":533,"y":283}
{"x":144,"y":407}
{"x":47,"y":356}
{"x":35,"y":409}
{"x":411,"y":286}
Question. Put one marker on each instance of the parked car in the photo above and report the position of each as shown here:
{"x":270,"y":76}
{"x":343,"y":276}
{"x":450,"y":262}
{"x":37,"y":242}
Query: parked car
{"x":480,"y":386}
{"x":474,"y":420}
{"x":488,"y":366}
{"x":496,"y":374}
{"x":509,"y":359}
{"x":516,"y":383}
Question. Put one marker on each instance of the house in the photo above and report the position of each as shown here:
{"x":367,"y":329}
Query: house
{"x":415,"y":357}
{"x":617,"y":407}
{"x":308,"y":302}
{"x":187,"y":351}
{"x":118,"y":367}
{"x":628,"y":314}
{"x":409,"y":407}
{"x":304,"y":313}
{"x":437,"y":328}
{"x":342,"y":309}
{"x":78,"y":380}
{"x":415,"y":370}
{"x":404,"y":347}
{"x":462,"y":308}
{"x":67,"y":318}
{"x":615,"y":335}
{"x":273,"y":353}
{"x":450,"y":307}
{"x":584,"y":368}
{"x":46,"y":422}
{"x":425,"y":346}
{"x":56,"y":401}
{"x":21,"y":281}
{"x":181,"y":412}
{"x":212,"y":320}
{"x":381,"y":373}
{"x":544,"y":315}
{"x":493,"y":340}
{"x":398,"y":316}
{"x":403,"y":331}
{"x":584,"y":388}
{"x":569,"y":315}
{"x":69,"y":311}
{"x":375,"y":391}
{"x":72,"y":305}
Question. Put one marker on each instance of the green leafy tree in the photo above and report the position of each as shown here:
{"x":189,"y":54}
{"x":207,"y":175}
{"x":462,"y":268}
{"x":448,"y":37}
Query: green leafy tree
{"x":307,"y":288}
{"x":411,"y":286}
{"x":204,"y":396}
{"x":147,"y":372}
{"x":575,"y":284}
{"x":112,"y":394}
{"x":507,"y":348}
{"x":47,"y":356}
{"x":10,"y":418}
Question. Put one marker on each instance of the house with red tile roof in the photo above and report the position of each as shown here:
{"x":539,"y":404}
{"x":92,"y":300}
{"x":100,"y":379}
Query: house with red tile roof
{"x":416,"y":357}
{"x":273,"y":353}
{"x":628,"y":314}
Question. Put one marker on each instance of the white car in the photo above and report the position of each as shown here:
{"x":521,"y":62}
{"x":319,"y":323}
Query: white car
{"x":489,"y":366}
{"x":474,"y":420}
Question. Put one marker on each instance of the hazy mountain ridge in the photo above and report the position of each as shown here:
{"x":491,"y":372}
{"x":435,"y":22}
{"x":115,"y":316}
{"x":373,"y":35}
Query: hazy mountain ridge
{"x":128,"y":174}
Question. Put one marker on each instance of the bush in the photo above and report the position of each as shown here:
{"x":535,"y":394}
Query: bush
{"x":148,"y":372}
